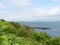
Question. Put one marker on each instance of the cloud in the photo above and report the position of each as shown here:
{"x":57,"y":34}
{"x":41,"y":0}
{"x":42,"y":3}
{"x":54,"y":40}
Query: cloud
{"x":56,"y":0}
{"x":43,"y":12}
{"x":14,"y":3}
{"x":19,"y":3}
{"x":55,"y":11}
{"x":2,"y":5}
{"x":34,"y":14}
{"x":28,"y":14}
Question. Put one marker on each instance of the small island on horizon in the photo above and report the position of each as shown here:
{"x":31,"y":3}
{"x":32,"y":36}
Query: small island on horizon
{"x":43,"y":28}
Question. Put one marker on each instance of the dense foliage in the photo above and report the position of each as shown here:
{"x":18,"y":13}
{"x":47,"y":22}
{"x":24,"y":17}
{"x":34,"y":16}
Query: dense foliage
{"x":12,"y":33}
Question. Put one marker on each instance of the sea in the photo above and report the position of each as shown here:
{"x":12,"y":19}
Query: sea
{"x":53,"y":32}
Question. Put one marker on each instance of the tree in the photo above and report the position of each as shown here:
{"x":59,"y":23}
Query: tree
{"x":2,"y":20}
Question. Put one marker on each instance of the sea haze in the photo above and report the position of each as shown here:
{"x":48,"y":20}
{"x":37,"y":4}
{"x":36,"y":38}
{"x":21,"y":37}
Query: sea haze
{"x":54,"y":31}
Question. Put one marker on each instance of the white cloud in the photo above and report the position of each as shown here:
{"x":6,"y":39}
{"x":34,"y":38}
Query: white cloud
{"x":42,"y":12}
{"x":14,"y":3}
{"x":2,"y":5}
{"x":56,"y":0}
{"x":55,"y":11}
{"x":35,"y":14}
{"x":19,"y":3}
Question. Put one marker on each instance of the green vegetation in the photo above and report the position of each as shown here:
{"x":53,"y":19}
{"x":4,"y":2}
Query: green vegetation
{"x":12,"y":33}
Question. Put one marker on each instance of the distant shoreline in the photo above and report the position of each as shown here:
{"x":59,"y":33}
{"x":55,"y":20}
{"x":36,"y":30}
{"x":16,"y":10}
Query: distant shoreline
{"x":43,"y":28}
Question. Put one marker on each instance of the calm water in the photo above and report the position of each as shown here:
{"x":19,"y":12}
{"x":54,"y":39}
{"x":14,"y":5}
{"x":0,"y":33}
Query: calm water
{"x":55,"y":31}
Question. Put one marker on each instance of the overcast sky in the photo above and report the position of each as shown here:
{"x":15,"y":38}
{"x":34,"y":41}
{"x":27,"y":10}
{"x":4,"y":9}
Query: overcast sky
{"x":30,"y":10}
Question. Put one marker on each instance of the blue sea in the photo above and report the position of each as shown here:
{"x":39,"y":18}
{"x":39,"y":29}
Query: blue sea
{"x":53,"y":32}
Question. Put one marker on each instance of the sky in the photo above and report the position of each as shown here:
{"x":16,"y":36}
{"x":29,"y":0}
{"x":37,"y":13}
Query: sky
{"x":30,"y":10}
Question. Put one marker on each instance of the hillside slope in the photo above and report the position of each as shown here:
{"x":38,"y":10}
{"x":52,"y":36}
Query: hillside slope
{"x":12,"y":33}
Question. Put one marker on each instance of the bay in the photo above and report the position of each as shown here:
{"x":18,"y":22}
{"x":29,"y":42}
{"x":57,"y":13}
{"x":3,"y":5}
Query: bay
{"x":55,"y":31}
